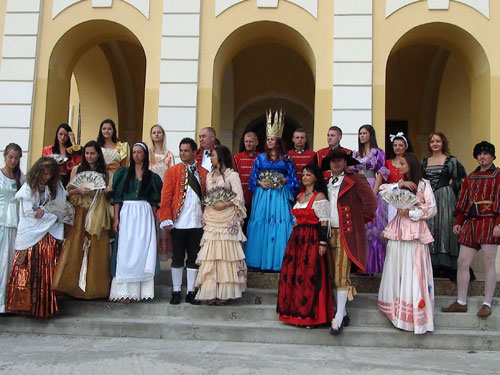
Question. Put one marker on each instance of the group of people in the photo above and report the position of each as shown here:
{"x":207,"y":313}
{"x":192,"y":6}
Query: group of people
{"x":93,"y":221}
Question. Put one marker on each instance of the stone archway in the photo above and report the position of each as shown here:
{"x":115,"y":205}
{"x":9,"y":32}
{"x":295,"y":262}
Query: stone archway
{"x":257,"y":67}
{"x":99,"y":67}
{"x":437,"y":78}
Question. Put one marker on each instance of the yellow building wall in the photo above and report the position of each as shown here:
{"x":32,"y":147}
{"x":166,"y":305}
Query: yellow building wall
{"x":310,"y":38}
{"x":454,"y":111}
{"x":483,"y":76}
{"x":96,"y":90}
{"x":147,"y":32}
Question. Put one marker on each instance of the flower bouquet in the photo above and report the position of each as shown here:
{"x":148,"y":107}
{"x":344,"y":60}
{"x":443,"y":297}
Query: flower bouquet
{"x":272,"y":178}
{"x":60,"y":159}
{"x":218,"y":194}
{"x":401,"y":199}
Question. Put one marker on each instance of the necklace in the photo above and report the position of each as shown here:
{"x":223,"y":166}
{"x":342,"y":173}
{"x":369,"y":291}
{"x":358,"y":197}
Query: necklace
{"x":308,"y":193}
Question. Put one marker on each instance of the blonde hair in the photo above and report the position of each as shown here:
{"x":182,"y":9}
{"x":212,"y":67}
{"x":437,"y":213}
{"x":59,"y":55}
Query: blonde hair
{"x":152,"y":148}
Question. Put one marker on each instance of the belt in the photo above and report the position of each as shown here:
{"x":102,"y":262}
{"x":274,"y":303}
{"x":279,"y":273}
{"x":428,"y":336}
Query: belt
{"x":483,"y":202}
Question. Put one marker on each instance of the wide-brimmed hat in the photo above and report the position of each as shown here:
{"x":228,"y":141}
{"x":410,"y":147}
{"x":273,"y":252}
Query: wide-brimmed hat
{"x":484,"y":146}
{"x":338,"y":153}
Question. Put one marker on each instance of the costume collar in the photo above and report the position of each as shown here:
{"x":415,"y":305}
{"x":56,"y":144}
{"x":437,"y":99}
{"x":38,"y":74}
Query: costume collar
{"x":492,"y":168}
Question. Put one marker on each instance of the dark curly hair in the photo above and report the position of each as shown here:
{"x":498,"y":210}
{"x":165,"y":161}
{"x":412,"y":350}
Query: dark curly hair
{"x":100,"y":138}
{"x":319,"y":184}
{"x":55,"y":146}
{"x":33,"y":178}
{"x":100,"y":165}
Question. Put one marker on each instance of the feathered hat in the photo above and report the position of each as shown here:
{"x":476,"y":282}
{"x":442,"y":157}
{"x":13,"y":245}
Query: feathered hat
{"x":276,"y":128}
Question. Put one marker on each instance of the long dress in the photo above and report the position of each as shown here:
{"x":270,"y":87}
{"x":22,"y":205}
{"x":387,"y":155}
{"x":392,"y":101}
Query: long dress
{"x":9,"y":219}
{"x":369,"y":166}
{"x":133,"y":263}
{"x":83,"y":267}
{"x":271,"y":221}
{"x":115,"y":157}
{"x":29,"y":290}
{"x":222,"y":272}
{"x":304,"y":292}
{"x":159,"y":163}
{"x":445,"y":181}
{"x":406,"y":294}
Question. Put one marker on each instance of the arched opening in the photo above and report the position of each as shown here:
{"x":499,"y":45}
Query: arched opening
{"x":438,"y":79}
{"x":97,"y":71}
{"x":260,"y":66}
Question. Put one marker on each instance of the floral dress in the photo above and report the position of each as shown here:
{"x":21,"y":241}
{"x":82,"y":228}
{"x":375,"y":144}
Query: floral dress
{"x":304,"y":292}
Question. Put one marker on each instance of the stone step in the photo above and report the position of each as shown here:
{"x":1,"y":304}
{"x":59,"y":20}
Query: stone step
{"x":363,"y":284}
{"x":370,"y":284}
{"x":363,"y":311}
{"x":253,"y":332}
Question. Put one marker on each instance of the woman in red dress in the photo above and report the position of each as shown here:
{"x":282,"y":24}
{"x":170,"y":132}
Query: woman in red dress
{"x":66,"y":146}
{"x":304,"y":292}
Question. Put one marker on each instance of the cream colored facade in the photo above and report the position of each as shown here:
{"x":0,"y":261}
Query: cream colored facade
{"x":417,"y":64}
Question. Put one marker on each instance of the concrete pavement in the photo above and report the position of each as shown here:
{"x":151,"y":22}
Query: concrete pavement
{"x":54,"y":355}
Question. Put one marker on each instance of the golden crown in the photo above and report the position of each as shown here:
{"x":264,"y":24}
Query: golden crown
{"x":276,"y":128}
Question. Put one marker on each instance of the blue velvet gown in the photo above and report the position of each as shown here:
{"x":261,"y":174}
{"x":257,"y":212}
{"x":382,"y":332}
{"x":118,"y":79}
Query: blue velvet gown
{"x":270,"y":221}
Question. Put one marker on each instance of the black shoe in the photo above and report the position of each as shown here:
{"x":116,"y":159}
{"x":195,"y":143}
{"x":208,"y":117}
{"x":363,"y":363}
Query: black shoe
{"x":345,"y":322}
{"x":176,"y":298}
{"x":190,"y":298}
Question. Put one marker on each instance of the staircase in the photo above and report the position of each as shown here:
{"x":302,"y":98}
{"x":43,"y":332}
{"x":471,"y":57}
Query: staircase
{"x":253,"y":319}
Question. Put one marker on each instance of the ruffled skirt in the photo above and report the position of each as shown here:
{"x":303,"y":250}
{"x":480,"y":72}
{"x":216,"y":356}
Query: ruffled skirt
{"x":406,"y":294}
{"x":222,"y":271}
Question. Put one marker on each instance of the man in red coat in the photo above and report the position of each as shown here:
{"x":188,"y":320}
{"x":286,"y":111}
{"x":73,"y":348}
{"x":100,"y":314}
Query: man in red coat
{"x":334,"y":137}
{"x":478,"y":225}
{"x":244,"y":162}
{"x":353,"y":204}
{"x":181,"y":213}
{"x":300,"y":156}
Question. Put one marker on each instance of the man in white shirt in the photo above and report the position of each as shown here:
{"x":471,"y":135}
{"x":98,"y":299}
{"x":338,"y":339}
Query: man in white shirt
{"x":353,"y":204}
{"x":207,"y":143}
{"x":180,"y":212}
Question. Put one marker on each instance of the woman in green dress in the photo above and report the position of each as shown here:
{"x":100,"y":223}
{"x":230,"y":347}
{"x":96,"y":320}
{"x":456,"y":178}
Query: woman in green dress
{"x":136,"y":196}
{"x":445,"y":174}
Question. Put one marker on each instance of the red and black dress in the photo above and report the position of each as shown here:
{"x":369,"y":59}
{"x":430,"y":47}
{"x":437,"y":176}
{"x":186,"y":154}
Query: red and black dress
{"x":304,"y":293}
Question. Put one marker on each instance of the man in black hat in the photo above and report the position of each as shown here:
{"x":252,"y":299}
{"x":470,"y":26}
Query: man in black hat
{"x":353,"y":204}
{"x":478,"y":224}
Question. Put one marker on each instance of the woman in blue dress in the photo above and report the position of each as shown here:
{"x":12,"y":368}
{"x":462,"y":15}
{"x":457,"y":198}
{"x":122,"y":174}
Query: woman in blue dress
{"x":273,"y":182}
